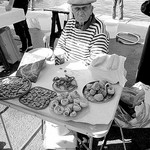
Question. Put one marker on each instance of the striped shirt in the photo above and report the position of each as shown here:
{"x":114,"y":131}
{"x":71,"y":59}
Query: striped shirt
{"x":83,"y":44}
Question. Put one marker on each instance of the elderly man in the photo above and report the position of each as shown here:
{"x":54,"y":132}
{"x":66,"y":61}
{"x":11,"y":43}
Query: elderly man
{"x":83,"y":38}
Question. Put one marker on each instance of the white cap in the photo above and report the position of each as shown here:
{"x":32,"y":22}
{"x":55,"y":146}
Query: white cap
{"x":80,"y":2}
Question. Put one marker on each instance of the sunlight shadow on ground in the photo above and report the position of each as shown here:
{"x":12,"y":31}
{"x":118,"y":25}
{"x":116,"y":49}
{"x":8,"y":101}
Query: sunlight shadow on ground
{"x":2,"y":146}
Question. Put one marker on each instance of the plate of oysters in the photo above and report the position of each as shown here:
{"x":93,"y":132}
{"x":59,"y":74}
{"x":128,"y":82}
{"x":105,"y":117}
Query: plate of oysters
{"x":64,"y":84}
{"x":13,"y":87}
{"x":99,"y":91}
{"x":68,"y":106}
{"x":37,"y":98}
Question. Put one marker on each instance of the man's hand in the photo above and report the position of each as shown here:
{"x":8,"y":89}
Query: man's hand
{"x":99,"y":60}
{"x":113,"y":62}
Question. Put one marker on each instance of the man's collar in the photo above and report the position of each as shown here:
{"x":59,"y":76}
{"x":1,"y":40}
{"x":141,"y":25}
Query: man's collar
{"x":85,"y":26}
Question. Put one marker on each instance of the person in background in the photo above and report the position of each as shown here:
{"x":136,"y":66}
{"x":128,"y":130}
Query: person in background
{"x":84,"y":38}
{"x":120,"y":4}
{"x":21,"y":28}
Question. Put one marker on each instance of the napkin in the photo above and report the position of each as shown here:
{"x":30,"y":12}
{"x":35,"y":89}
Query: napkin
{"x":105,"y":63}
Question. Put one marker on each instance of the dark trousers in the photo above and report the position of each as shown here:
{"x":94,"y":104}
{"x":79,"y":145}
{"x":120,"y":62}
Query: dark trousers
{"x":120,"y":4}
{"x":22,"y":30}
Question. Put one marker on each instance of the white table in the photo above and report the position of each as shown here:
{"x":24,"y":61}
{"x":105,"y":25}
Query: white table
{"x":10,"y":17}
{"x":83,"y":125}
{"x":105,"y":116}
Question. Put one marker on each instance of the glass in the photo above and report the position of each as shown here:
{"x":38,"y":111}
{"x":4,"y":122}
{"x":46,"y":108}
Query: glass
{"x":59,"y":59}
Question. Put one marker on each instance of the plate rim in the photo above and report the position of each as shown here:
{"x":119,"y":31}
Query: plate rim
{"x":59,"y":91}
{"x":98,"y":102}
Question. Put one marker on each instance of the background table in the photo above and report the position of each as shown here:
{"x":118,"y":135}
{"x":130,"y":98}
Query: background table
{"x":8,"y":18}
{"x":56,"y":22}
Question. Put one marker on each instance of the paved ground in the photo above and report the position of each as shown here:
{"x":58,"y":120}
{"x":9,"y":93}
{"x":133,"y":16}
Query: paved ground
{"x":21,"y":125}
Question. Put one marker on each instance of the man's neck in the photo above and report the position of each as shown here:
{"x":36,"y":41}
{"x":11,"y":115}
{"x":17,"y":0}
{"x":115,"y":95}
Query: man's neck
{"x":85,"y":25}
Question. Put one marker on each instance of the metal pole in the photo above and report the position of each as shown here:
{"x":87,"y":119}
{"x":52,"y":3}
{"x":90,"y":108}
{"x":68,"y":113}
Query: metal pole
{"x":6,"y":132}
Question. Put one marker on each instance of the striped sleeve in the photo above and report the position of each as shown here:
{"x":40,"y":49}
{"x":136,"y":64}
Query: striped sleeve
{"x":100,"y":41}
{"x":61,"y":41}
{"x":83,"y":44}
{"x":61,"y":44}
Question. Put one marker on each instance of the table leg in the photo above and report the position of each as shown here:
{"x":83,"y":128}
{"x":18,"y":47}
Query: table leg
{"x":42,"y":130}
{"x":31,"y":137}
{"x":90,"y":142}
{"x":5,"y":127}
{"x":54,"y":35}
{"x":122,"y":136}
{"x":104,"y":143}
{"x":58,"y":22}
{"x":105,"y":138}
{"x":41,"y":127}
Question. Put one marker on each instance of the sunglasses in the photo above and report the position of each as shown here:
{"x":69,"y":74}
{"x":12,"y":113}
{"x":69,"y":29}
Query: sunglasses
{"x":81,"y":8}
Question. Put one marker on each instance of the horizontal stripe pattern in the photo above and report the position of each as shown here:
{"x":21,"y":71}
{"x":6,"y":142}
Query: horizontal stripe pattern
{"x":84,"y":45}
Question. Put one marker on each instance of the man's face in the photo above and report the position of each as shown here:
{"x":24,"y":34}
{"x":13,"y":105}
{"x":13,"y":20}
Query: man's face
{"x":82,"y":13}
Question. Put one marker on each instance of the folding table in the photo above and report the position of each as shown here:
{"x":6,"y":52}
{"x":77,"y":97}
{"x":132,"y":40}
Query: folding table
{"x":92,"y":130}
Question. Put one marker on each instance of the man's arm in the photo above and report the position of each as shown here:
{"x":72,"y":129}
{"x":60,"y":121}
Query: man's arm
{"x":59,"y":50}
{"x":10,"y":5}
{"x":99,"y":45}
